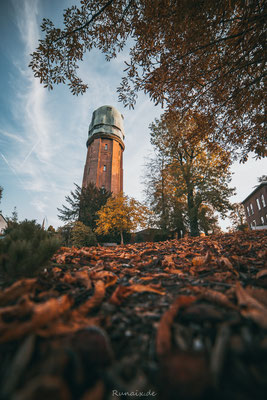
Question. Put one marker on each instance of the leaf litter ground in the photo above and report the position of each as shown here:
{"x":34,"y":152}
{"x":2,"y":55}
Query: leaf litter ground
{"x":181,"y":319}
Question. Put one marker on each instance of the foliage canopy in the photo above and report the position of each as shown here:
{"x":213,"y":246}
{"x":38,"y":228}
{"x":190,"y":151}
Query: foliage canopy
{"x":203,"y":55}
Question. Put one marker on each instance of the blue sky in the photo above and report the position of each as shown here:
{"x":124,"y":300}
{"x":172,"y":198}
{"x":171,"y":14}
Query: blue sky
{"x":43,"y":134}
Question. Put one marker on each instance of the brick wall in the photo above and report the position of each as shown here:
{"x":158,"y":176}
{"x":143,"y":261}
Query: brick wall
{"x":104,"y":164}
{"x":256,"y":207}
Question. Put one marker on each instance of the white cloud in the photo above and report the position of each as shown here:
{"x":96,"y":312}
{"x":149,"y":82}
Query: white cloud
{"x":12,"y":136}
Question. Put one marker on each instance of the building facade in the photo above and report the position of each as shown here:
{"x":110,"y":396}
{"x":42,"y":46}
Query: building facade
{"x":255,"y":205}
{"x":105,"y":146}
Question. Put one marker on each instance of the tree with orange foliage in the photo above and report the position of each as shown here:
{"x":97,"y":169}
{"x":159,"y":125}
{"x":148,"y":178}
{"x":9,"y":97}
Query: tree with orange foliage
{"x":199,"y":167}
{"x":121,"y":213}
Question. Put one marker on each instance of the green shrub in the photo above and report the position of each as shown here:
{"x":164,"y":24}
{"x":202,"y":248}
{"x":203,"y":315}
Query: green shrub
{"x":25,"y":249}
{"x":82,"y":235}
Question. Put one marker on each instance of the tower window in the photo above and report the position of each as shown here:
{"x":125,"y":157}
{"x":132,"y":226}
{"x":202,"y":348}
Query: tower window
{"x":106,"y":146}
{"x":104,"y":168}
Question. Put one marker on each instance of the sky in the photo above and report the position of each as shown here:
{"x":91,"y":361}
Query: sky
{"x":43,"y":133}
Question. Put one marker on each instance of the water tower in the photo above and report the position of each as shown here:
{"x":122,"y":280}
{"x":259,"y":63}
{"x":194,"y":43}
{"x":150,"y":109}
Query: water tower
{"x":105,"y":144}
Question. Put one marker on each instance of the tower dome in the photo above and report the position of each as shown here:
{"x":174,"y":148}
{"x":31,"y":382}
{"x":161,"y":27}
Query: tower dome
{"x":106,"y":121}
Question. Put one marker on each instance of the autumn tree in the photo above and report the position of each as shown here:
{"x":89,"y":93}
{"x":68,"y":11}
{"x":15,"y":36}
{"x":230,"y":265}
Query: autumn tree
{"x":207,"y":220}
{"x":199,"y":167}
{"x":160,"y":194}
{"x":204,"y":56}
{"x":84,"y":204}
{"x":121,"y":213}
{"x":238,"y":217}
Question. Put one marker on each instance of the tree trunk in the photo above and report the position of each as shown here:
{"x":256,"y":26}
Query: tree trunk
{"x":192,"y":214}
{"x":121,"y":237}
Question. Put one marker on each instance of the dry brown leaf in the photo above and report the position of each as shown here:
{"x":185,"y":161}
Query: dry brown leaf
{"x":122,"y":292}
{"x":168,"y":261}
{"x":63,"y":327}
{"x":250,"y":307}
{"x":214,"y":296}
{"x":163,"y":339}
{"x":43,"y":314}
{"x":109,"y":277}
{"x":202,"y":260}
{"x":174,"y":271}
{"x":261,"y":273}
{"x":93,"y":302}
{"x":259,"y":294}
{"x":224,"y":261}
{"x":16,"y":290}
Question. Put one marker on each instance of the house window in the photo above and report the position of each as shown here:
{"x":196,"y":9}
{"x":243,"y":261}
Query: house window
{"x":262,"y":220}
{"x":251,"y":209}
{"x":263,"y":200}
{"x":258,"y":203}
{"x":248,"y":211}
{"x":253,"y":224}
{"x":106,"y":146}
{"x":104,"y":168}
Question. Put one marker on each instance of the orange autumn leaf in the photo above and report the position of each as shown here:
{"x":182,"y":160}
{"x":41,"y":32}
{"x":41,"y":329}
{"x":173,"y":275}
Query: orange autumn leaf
{"x":202,"y":260}
{"x":43,"y":314}
{"x":93,"y":301}
{"x":168,"y":261}
{"x":174,"y":271}
{"x":16,"y":290}
{"x":109,"y":277}
{"x":122,"y":292}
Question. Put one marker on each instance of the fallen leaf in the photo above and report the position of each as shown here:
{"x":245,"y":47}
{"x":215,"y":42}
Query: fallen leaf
{"x":250,"y":307}
{"x":163,"y":339}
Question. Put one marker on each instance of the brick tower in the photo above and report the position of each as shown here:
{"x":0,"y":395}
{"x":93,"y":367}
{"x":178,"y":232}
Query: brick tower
{"x":105,"y":146}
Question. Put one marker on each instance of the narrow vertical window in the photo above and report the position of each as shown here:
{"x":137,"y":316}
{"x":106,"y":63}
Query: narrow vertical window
{"x":263,"y":200}
{"x":106,"y":146}
{"x":262,"y":220}
{"x":248,"y":211}
{"x":105,"y":168}
{"x":258,"y":203}
{"x":251,"y":208}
